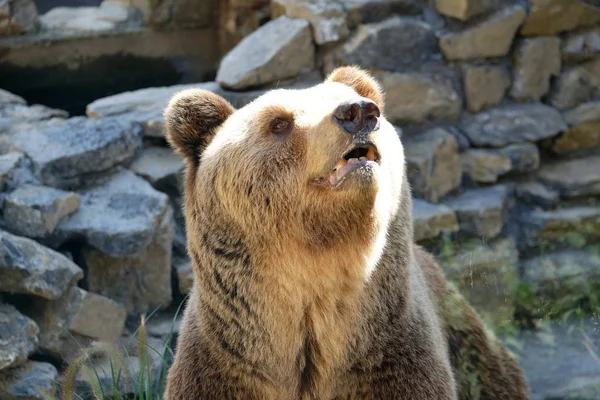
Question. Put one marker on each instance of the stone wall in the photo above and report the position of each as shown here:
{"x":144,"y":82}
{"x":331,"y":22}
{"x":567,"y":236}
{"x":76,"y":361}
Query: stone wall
{"x":498,"y":107}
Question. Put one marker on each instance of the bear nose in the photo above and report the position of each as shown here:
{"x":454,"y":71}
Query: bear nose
{"x":357,"y":116}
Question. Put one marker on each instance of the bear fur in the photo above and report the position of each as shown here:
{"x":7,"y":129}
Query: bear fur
{"x":309,"y":287}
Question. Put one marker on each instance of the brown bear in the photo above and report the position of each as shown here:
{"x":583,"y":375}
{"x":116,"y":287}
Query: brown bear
{"x":307,"y":282}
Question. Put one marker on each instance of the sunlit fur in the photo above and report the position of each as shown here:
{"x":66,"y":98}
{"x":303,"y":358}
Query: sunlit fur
{"x":303,"y":291}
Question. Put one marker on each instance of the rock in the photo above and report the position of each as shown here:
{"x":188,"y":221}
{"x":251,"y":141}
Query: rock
{"x":99,"y":318}
{"x":278,"y":50}
{"x":65,"y":153}
{"x":538,"y":194}
{"x":7,"y":98}
{"x":572,"y":178}
{"x":483,"y":211}
{"x":582,"y":46}
{"x":107,"y":17}
{"x":584,"y":129}
{"x":576,"y":85}
{"x":524,"y":157}
{"x":185,"y":275}
{"x":514,"y":123}
{"x":417,"y":97}
{"x":17,"y":17}
{"x":140,"y":282}
{"x":396,"y":44}
{"x":549,"y":17}
{"x":327,"y":19}
{"x":535,"y":62}
{"x":432,"y":220}
{"x":19,"y":113}
{"x":119,"y":218}
{"x":369,"y":11}
{"x":163,"y":326}
{"x":565,"y":269}
{"x":463,"y":9}
{"x":31,"y":381}
{"x":484,"y":86}
{"x":8,"y":163}
{"x":485,"y":165}
{"x":161,"y":167}
{"x":27,"y":267}
{"x":35,"y":211}
{"x":18,"y":337}
{"x":432,"y":163}
{"x":490,"y":38}
{"x":574,"y":227}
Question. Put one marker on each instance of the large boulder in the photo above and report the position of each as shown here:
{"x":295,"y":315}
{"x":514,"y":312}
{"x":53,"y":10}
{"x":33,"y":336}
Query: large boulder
{"x":583,"y":132}
{"x":18,"y":337}
{"x":104,"y":18}
{"x":161,"y":167}
{"x":484,"y":86}
{"x":549,"y":17}
{"x":27,"y":267}
{"x":280,"y":49}
{"x":573,"y":178}
{"x":66,"y":153}
{"x":487,"y":165}
{"x":33,"y":380}
{"x":536,"y":61}
{"x":576,"y":85}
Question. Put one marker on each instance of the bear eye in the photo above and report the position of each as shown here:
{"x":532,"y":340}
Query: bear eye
{"x":281,"y":126}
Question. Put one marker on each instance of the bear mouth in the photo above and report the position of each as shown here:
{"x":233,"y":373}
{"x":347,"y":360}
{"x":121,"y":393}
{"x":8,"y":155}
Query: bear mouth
{"x":363,"y":156}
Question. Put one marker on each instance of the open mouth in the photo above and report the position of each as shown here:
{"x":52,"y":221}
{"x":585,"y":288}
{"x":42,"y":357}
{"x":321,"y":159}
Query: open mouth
{"x":359,"y":156}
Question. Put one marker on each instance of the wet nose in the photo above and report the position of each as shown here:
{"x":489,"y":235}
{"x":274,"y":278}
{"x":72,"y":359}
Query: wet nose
{"x":357,"y":116}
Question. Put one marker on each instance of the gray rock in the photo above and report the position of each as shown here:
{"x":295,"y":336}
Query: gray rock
{"x":583,"y":113}
{"x":570,"y":268}
{"x":396,"y":44}
{"x":485,"y":165}
{"x":19,"y":113}
{"x":119,"y":218}
{"x":572,"y":178}
{"x":584,"y":129}
{"x":8,"y":163}
{"x":66,"y":152}
{"x":582,"y":46}
{"x":484,"y":86}
{"x":515,"y":123}
{"x":490,"y":38}
{"x":369,"y":11}
{"x":464,"y":9}
{"x":432,"y":163}
{"x":549,"y":17}
{"x":483,"y":211}
{"x":105,"y":18}
{"x":524,"y":157}
{"x":576,"y":85}
{"x":140,"y":282}
{"x":27,"y":267}
{"x":161,"y":167}
{"x":17,"y":17}
{"x":7,"y":98}
{"x":164,"y":325}
{"x":31,"y":381}
{"x":278,"y":50}
{"x":432,"y":220}
{"x":18,"y":337}
{"x":417,"y":97}
{"x":573,"y":227}
{"x":535,"y":62}
{"x":185,"y":275}
{"x":99,"y":318}
{"x":537,"y":194}
{"x":35,"y":211}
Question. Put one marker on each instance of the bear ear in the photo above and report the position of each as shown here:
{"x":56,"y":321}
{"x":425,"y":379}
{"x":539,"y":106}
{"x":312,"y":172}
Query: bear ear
{"x":192,"y":118}
{"x":359,"y":80}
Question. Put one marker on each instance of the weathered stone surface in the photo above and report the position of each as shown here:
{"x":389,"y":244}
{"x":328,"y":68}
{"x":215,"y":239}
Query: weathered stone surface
{"x":17,"y":17}
{"x":66,"y":152}
{"x":482,"y":211}
{"x":417,"y":97}
{"x":30,"y":381}
{"x":524,"y":157}
{"x":395,"y":44}
{"x":8,"y":163}
{"x":327,"y":18}
{"x":514,"y":123}
{"x":107,"y":17}
{"x":538,"y":194}
{"x":185,"y":275}
{"x":582,"y":46}
{"x":99,"y":318}
{"x":570,"y":227}
{"x":18,"y":337}
{"x":549,"y":17}
{"x":280,"y":49}
{"x":564,"y":268}
{"x":140,"y":282}
{"x":484,"y":86}
{"x":164,"y":325}
{"x":577,"y":85}
{"x":27,"y":267}
{"x":19,"y":113}
{"x":572,"y":178}
{"x":160,"y":166}
{"x":463,"y":9}
{"x":584,"y":129}
{"x":490,"y":38}
{"x":119,"y":218}
{"x":35,"y":211}
{"x":485,"y":165}
{"x":433,"y":164}
{"x":7,"y":98}
{"x":432,"y":220}
{"x":536,"y":60}
{"x":369,"y":11}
